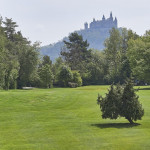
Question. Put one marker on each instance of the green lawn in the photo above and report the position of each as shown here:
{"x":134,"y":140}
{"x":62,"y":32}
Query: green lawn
{"x":67,"y":119}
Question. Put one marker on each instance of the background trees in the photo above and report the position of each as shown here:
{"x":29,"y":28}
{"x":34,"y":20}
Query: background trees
{"x":116,"y":47}
{"x":21,"y":65}
{"x":96,"y":68}
{"x":19,"y":57}
{"x":125,"y":53}
{"x":89,"y":63}
{"x":139,"y":57}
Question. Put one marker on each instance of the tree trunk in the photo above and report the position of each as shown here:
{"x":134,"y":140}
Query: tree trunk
{"x":130,"y":120}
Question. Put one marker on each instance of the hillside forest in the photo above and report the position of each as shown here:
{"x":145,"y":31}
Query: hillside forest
{"x":21,"y":64}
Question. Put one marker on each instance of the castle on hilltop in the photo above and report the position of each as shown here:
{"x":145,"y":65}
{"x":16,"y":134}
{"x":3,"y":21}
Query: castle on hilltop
{"x":101,"y":24}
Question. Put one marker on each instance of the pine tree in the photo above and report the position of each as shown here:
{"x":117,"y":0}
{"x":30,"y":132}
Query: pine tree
{"x":131,"y":108}
{"x":76,"y":51}
{"x":121,"y":101}
{"x":109,"y":105}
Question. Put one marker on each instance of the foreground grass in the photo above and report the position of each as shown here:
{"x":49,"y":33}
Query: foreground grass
{"x":67,"y":119}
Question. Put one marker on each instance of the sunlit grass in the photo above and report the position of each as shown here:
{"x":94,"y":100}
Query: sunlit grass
{"x":67,"y":119}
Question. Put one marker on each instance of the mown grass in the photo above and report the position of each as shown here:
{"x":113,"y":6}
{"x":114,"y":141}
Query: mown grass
{"x":67,"y":119}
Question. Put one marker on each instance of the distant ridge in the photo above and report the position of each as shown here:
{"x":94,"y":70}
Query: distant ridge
{"x":95,"y":33}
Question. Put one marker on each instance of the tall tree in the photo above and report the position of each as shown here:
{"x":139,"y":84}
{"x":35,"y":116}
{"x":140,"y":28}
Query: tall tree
{"x":76,"y":53}
{"x":113,"y":54}
{"x":18,"y":58}
{"x":8,"y":63}
{"x":3,"y":57}
{"x":9,"y":28}
{"x":45,"y":72}
{"x":116,"y":54}
{"x":28,"y":60}
{"x":139,"y":56}
{"x":46,"y":60}
{"x":46,"y":76}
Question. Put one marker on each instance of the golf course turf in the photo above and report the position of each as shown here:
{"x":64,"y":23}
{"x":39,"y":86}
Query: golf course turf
{"x":68,"y":119}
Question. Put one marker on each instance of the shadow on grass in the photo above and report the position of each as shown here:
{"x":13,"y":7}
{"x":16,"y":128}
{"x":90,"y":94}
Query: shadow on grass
{"x":144,"y":89}
{"x":115,"y":125}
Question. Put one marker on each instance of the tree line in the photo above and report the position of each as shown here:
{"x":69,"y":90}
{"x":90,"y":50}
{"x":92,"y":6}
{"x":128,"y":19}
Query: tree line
{"x":21,"y":64}
{"x":125,"y":54}
{"x":18,"y":57}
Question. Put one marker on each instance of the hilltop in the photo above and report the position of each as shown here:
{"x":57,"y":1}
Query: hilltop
{"x":95,"y":33}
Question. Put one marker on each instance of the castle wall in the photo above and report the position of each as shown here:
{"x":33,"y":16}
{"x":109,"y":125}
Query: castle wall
{"x":104,"y":23}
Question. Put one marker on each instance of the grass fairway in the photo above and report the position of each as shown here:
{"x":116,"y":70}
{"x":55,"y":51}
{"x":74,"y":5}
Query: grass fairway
{"x":67,"y":119}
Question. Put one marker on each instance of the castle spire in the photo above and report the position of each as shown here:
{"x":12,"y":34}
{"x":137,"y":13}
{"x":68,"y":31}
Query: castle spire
{"x":116,"y":22}
{"x":86,"y":26}
{"x":111,"y":15}
{"x":103,"y":17}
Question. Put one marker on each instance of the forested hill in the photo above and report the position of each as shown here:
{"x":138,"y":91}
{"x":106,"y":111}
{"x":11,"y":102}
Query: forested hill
{"x":95,"y":38}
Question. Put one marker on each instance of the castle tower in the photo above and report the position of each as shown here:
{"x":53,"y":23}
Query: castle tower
{"x":111,"y":17}
{"x":86,"y":26}
{"x":116,"y":22}
{"x":103,"y":18}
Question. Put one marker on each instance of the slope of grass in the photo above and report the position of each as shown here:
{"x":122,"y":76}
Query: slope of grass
{"x":67,"y":119}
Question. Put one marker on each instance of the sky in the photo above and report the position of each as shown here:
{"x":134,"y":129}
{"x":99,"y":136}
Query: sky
{"x":48,"y":21}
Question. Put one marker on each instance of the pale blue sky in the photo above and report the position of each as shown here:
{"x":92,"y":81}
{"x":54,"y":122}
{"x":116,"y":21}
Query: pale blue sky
{"x":50,"y":20}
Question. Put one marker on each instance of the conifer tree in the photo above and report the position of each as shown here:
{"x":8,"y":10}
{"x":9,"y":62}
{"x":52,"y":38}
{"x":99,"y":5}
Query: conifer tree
{"x":121,"y":101}
{"x":131,"y":108}
{"x":76,"y":51}
{"x":109,"y":105}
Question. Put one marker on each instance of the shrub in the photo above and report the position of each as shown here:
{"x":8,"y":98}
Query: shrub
{"x":72,"y":85}
{"x":77,"y":78}
{"x":64,"y":76}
